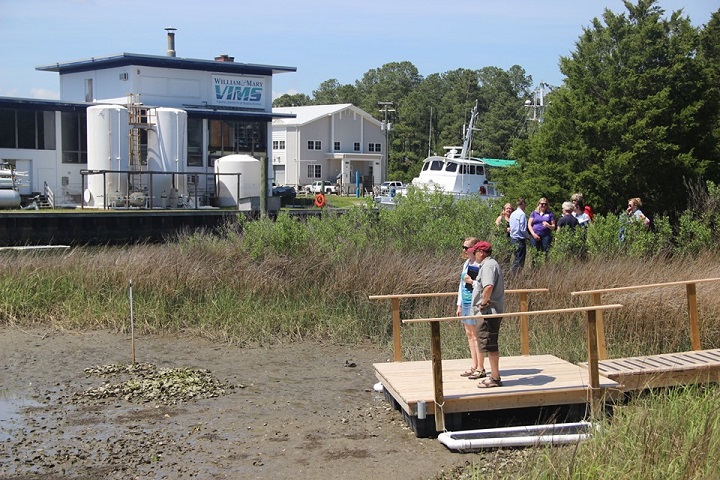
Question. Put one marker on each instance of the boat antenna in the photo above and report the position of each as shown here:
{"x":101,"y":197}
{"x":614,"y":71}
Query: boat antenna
{"x":467,"y":141}
{"x":430,"y":133}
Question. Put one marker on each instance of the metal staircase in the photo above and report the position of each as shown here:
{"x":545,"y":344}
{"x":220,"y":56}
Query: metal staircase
{"x":142,"y":119}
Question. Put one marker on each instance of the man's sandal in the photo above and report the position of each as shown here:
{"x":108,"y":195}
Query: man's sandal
{"x":490,"y":382}
{"x":477,"y":374}
{"x":468,"y":372}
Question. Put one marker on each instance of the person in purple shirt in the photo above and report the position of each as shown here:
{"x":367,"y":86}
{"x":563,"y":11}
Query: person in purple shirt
{"x":540,"y":225}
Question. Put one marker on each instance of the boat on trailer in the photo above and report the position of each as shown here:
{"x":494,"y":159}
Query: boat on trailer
{"x":456,"y":173}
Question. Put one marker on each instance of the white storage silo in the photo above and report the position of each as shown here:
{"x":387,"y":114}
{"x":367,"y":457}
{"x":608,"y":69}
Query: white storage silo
{"x":231,"y":188}
{"x":167,"y":152}
{"x":107,"y":149}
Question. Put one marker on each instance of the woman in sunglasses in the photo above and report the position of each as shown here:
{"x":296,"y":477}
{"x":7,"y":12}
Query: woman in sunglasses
{"x":469,"y":273}
{"x":540,"y":225}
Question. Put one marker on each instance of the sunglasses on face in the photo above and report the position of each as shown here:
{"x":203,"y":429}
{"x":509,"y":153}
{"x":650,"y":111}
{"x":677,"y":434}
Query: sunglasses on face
{"x":465,"y":247}
{"x":542,"y":204}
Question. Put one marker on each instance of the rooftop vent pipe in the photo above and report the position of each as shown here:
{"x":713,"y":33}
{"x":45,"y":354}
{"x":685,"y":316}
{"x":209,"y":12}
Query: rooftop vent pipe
{"x":171,"y":41}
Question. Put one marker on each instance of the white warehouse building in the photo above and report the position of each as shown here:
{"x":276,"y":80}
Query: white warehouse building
{"x":337,"y":143}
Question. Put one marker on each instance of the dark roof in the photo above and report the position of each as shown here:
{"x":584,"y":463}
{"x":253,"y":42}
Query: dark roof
{"x":193,"y":111}
{"x":233,"y":114}
{"x":37,"y":104}
{"x":134,"y":59}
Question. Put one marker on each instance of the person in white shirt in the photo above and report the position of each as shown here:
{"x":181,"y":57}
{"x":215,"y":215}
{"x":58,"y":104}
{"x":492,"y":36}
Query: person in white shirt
{"x":518,"y":235}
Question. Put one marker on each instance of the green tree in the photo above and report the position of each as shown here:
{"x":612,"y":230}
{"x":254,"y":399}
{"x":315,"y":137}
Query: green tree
{"x":390,"y":83}
{"x":709,"y":56}
{"x":331,"y":92}
{"x":630,"y":120}
{"x":292,"y":100}
{"x":502,"y":99}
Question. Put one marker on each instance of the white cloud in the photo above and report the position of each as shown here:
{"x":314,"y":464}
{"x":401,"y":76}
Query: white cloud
{"x":44,"y":93}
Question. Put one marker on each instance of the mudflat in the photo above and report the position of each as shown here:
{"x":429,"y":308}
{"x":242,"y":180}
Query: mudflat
{"x":304,"y":410}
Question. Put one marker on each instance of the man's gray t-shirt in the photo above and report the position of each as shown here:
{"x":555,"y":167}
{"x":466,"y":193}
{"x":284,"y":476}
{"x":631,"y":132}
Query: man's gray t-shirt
{"x":490,"y":274}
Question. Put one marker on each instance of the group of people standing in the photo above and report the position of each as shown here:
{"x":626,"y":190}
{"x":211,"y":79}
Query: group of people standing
{"x":481,"y":292}
{"x":539,"y":226}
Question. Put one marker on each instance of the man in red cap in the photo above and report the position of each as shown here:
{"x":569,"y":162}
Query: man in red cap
{"x":488,"y":298}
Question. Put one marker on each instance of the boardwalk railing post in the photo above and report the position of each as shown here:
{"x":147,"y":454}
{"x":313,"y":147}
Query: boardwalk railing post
{"x":397,"y":344}
{"x":437,"y":376}
{"x":594,"y":373}
{"x":693,"y":314}
{"x":524,"y":325}
{"x":602,"y":349}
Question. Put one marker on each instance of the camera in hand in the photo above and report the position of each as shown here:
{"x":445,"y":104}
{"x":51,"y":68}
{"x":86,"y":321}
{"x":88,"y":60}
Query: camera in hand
{"x":473,"y":271}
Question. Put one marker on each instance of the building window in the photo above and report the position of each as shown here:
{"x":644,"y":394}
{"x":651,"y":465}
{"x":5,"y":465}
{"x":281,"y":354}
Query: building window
{"x":314,"y":145}
{"x":336,"y":146}
{"x":195,"y":142}
{"x":314,"y":171}
{"x":228,"y":137}
{"x":370,"y":170}
{"x":356,"y":146}
{"x":7,"y":128}
{"x":74,"y":137}
{"x":31,"y":129}
{"x":89,"y":96}
{"x":278,"y":145}
{"x":374,"y":147}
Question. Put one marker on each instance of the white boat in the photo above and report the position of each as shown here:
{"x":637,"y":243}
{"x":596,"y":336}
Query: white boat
{"x":456,"y":173}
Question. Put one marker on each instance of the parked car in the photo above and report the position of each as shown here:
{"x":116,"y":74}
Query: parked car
{"x":286,"y":193}
{"x":320,"y":186}
{"x":386,"y":188}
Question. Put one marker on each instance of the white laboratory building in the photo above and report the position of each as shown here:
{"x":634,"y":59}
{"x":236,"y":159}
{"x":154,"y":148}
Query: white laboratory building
{"x":146,"y":130}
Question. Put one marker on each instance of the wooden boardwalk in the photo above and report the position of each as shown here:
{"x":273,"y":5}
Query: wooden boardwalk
{"x":663,"y":370}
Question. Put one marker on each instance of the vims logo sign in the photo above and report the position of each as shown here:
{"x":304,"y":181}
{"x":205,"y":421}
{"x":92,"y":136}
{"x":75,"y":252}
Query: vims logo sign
{"x":239,"y":91}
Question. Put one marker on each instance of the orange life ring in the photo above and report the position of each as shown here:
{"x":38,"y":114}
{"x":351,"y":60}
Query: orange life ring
{"x":319,"y":200}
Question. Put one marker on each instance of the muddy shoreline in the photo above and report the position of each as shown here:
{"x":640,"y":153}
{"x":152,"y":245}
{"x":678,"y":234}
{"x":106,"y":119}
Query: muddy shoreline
{"x":306,"y":410}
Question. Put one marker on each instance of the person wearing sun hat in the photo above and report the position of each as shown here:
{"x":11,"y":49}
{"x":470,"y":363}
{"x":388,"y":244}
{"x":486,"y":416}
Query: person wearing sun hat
{"x":488,"y":298}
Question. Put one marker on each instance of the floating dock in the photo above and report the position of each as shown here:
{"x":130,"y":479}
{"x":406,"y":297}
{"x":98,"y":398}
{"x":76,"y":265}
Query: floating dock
{"x":528,"y":381}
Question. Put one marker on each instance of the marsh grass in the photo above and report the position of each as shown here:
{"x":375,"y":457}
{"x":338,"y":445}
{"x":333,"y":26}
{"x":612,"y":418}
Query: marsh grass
{"x":265,"y":282}
{"x":669,"y":433}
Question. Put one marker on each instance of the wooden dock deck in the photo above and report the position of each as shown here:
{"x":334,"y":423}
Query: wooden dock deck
{"x":528,"y":381}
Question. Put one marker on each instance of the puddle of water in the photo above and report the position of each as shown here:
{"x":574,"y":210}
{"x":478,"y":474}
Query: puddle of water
{"x":11,"y":415}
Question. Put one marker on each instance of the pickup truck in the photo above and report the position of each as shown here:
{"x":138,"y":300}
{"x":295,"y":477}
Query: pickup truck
{"x":386,"y":188}
{"x":320,"y":186}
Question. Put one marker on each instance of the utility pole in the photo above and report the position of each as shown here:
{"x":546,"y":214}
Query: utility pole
{"x":386,"y":126}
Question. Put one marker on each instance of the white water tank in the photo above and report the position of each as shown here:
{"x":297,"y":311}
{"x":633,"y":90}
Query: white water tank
{"x":167,"y":152}
{"x":9,"y":198}
{"x":231,"y":188}
{"x":107,"y":149}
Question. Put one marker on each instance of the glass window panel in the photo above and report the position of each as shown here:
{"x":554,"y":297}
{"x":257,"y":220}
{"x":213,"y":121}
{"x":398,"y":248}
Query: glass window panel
{"x":7,"y":128}
{"x":26,"y":129}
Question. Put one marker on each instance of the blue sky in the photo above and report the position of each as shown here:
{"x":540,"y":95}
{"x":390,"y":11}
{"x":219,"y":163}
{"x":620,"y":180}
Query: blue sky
{"x":323,"y":39}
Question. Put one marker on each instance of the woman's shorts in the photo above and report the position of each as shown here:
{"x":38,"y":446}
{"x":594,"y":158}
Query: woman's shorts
{"x":467,"y":310}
